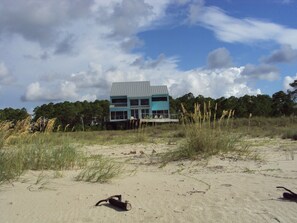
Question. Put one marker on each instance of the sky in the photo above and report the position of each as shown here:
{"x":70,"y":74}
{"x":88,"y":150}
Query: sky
{"x":72,"y":50}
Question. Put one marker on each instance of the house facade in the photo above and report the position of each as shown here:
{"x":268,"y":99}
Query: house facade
{"x":138,"y":100}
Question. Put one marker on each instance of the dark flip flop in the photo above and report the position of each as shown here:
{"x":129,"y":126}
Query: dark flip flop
{"x":116,"y":201}
{"x":289,"y":196}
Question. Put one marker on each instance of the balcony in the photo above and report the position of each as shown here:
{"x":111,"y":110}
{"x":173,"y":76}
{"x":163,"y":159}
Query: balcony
{"x":118,"y":105}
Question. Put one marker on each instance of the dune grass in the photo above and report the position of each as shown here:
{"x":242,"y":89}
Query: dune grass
{"x":2,"y":139}
{"x":38,"y":155}
{"x":204,"y":137}
{"x":202,"y":143}
{"x":99,"y":170}
{"x":47,"y":151}
{"x":290,"y":134}
{"x":281,"y":127}
{"x":150,"y":134}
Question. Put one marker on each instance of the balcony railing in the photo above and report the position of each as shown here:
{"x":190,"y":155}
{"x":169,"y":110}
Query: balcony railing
{"x":118,"y":105}
{"x":161,"y":116}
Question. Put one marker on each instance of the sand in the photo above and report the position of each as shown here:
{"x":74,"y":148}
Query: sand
{"x":222,"y":189}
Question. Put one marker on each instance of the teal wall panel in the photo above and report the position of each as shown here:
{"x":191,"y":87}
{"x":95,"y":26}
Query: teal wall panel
{"x":160,"y":105}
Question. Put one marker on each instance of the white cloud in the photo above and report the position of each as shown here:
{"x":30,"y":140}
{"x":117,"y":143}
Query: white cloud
{"x":102,"y":36}
{"x":246,"y":30}
{"x":88,"y":97}
{"x":126,"y":17}
{"x":213,"y":83}
{"x":96,"y":81}
{"x":36,"y":92}
{"x":40,"y":21}
{"x":287,"y":81}
{"x":6,"y":76}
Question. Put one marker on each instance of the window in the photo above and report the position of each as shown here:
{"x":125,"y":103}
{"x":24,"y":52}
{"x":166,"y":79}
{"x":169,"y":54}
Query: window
{"x":144,"y":101}
{"x":134,"y":102}
{"x":118,"y":115}
{"x":145,"y":113}
{"x":160,"y":114}
{"x":159,"y":99}
{"x":119,"y":100}
{"x":134,"y":113}
{"x":112,"y":115}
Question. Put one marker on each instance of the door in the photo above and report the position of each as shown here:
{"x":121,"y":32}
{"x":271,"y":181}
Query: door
{"x":135,"y":113}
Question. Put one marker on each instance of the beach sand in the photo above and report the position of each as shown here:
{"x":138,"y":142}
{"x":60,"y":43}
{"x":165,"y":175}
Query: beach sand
{"x":221,"y":189}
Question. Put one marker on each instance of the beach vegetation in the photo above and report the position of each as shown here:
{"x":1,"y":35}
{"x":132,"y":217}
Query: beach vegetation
{"x":21,"y":151}
{"x":99,"y":170}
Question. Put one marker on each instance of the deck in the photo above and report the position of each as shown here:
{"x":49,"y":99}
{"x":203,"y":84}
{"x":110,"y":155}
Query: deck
{"x":159,"y":120}
{"x":136,"y":123}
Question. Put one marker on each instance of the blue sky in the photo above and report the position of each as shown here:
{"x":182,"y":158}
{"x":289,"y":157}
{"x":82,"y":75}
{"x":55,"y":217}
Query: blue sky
{"x":52,"y":51}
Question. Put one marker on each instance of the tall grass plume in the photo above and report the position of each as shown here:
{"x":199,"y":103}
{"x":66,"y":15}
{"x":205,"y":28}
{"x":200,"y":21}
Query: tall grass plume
{"x":203,"y":136}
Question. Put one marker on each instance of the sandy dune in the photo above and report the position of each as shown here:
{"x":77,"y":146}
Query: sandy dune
{"x":222,"y":189}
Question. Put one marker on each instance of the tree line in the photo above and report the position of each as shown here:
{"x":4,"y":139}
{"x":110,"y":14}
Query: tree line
{"x":77,"y":115}
{"x":280,"y":104}
{"x":92,"y":115}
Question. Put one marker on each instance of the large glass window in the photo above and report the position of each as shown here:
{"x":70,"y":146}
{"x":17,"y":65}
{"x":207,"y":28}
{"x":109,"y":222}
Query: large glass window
{"x":118,"y":115}
{"x":133,"y":102}
{"x":159,"y":99}
{"x":160,"y":114}
{"x":145,"y":113}
{"x":145,"y":102}
{"x":119,"y":102}
{"x":134,"y":113}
